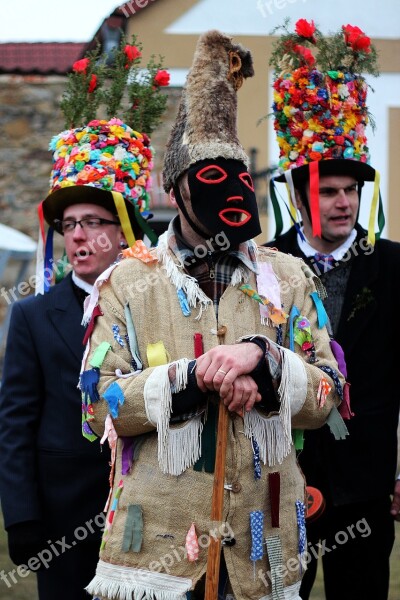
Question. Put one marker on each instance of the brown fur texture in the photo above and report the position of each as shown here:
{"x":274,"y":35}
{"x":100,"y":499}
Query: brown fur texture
{"x":206,"y":123}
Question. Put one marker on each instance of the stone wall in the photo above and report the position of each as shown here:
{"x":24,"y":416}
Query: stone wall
{"x":29,"y":117}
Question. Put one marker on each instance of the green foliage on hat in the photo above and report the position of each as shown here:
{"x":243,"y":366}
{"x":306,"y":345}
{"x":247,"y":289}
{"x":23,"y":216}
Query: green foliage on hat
{"x":349,"y":50}
{"x":116,"y":85}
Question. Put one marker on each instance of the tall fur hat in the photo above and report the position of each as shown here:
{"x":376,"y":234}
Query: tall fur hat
{"x":205,"y":126}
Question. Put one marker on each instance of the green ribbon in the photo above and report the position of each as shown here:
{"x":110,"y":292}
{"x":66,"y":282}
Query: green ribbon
{"x":133,"y":531}
{"x":337,"y":425}
{"x":206,"y":462}
{"x":276,"y":208}
{"x":99,"y":354}
{"x":145,"y":227}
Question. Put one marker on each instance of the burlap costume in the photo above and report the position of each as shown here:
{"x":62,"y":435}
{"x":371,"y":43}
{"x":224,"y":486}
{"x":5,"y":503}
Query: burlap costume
{"x":171,"y":503}
{"x":140,"y":328}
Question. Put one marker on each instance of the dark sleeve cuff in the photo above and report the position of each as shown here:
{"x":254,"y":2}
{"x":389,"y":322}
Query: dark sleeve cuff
{"x":191,"y":398}
{"x":262,"y":377}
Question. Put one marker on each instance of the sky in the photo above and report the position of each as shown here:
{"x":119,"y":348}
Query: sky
{"x":52,"y":21}
{"x":78,"y":20}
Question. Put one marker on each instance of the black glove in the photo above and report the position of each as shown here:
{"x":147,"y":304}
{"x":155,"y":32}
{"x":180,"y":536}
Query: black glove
{"x":24,"y":541}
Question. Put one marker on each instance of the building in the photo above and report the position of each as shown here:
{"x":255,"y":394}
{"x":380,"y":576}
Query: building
{"x":32,"y":80}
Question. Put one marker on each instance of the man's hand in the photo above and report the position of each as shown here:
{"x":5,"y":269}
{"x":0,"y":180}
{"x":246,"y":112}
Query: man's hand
{"x":395,"y":508}
{"x":225,"y":370}
{"x":242,"y":395}
{"x":25,"y":541}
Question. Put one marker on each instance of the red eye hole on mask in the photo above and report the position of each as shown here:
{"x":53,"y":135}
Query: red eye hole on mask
{"x":214,"y":177}
{"x":247,"y":180}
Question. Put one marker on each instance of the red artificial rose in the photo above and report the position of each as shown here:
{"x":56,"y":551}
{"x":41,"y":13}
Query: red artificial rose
{"x":132,"y":53}
{"x":362,"y":43}
{"x":119,"y":174}
{"x":356,"y":38}
{"x":146,"y":139}
{"x":92,"y":83}
{"x":305,"y":29}
{"x":306,"y":54}
{"x":161,"y":78}
{"x":80,"y":66}
{"x":339,"y":140}
{"x":147,"y":153}
{"x":350,"y":31}
{"x":315,"y":155}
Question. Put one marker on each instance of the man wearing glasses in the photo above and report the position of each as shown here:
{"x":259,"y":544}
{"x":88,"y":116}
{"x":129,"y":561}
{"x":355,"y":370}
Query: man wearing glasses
{"x":53,"y":482}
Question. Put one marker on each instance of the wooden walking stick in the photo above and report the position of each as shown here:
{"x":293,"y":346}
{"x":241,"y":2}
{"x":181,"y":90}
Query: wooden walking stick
{"x":217,"y":504}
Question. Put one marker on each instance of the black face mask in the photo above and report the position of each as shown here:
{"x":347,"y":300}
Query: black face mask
{"x":223,"y":199}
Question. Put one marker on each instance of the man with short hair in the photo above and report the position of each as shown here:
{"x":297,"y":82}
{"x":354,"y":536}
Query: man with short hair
{"x":325,"y":167}
{"x":53,"y":481}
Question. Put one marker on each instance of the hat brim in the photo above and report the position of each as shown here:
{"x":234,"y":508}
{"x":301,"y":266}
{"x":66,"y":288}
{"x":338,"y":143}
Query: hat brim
{"x":56,"y":202}
{"x":334,"y":166}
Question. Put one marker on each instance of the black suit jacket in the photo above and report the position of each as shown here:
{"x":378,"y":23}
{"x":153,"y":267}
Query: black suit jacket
{"x":363,"y":466}
{"x":48,"y":471}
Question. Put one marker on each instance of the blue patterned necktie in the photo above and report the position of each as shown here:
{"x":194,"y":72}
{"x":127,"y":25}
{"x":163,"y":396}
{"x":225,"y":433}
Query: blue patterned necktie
{"x":324,"y":262}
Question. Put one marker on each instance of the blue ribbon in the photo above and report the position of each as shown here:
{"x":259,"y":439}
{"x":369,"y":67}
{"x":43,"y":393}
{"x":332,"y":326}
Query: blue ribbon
{"x":321,"y":312}
{"x":48,"y":260}
{"x":115,"y":398}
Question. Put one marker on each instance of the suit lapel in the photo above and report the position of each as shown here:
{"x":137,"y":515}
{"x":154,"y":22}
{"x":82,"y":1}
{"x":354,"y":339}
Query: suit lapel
{"x":66,"y":316}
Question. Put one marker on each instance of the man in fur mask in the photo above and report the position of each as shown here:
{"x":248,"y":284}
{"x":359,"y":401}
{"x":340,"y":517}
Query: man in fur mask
{"x":207,"y":324}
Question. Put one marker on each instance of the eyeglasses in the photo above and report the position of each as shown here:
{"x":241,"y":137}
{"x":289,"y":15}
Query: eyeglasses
{"x":92,"y":223}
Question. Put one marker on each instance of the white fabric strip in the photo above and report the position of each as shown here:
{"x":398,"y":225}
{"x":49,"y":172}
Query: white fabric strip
{"x":294,"y":381}
{"x":116,"y":582}
{"x":180,"y":279}
{"x":92,"y":300}
{"x":178,"y":447}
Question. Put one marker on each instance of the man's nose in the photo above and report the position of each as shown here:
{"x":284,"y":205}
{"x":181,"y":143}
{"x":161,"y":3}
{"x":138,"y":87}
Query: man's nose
{"x":79,"y":232}
{"x":342,"y":198}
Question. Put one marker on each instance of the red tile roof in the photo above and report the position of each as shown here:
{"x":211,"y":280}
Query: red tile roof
{"x":44,"y":58}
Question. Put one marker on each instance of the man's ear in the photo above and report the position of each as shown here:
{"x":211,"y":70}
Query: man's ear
{"x":172,"y":198}
{"x":297,"y":199}
{"x":122,"y":242}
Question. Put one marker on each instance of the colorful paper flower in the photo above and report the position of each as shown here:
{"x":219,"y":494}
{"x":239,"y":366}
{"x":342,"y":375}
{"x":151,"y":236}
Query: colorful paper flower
{"x":81,"y":66}
{"x":99,"y":155}
{"x":92,"y":83}
{"x":132,"y":52}
{"x":162,"y":78}
{"x":305,"y":29}
{"x":356,"y":38}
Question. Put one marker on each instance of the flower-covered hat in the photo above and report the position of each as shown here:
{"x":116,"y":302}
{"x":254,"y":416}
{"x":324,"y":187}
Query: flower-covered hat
{"x":91,"y":163}
{"x":206,"y":123}
{"x":106,"y":161}
{"x":319,"y":105}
